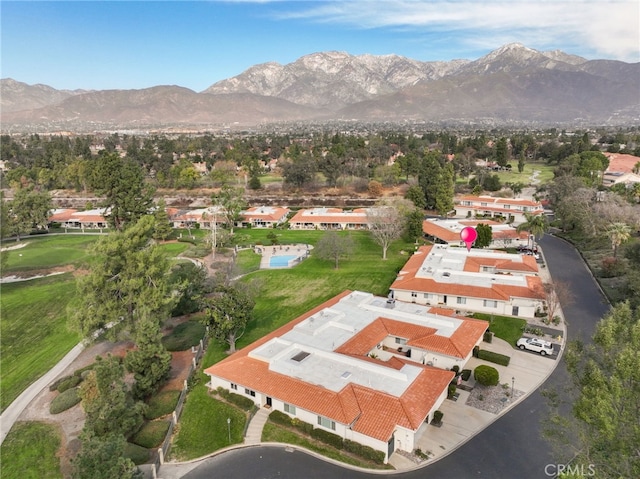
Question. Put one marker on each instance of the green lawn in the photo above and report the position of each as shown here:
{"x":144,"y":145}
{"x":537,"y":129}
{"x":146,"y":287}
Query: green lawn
{"x":203,"y":426}
{"x":48,"y":251}
{"x":33,"y":331}
{"x":285,"y":294}
{"x":513,"y":176}
{"x":174,"y":249}
{"x":29,"y":452}
{"x":504,"y":327}
{"x":247,"y":261}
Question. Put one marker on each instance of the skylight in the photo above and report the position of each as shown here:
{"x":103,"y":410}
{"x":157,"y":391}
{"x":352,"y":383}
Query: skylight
{"x":300,"y":356}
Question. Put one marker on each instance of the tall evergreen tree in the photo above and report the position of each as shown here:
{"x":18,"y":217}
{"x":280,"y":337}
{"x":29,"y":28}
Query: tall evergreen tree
{"x":121,"y":181}
{"x":103,"y":458}
{"x":445,"y":190}
{"x":162,"y":226}
{"x":428,"y":178}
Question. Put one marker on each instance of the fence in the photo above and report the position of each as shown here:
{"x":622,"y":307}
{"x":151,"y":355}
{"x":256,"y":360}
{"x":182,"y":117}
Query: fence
{"x":163,"y":450}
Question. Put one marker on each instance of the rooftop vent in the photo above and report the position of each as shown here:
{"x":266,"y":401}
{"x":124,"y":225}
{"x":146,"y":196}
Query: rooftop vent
{"x":346,"y":375}
{"x":300,"y":356}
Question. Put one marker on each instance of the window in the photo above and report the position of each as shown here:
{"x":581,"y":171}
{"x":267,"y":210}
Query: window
{"x":328,"y":423}
{"x":483,"y":204}
{"x":290,"y":409}
{"x":427,"y":296}
{"x":401,"y":341}
{"x":414,"y":295}
{"x":461,"y":300}
{"x":249,"y":392}
{"x":234,"y":386}
{"x":490,"y":304}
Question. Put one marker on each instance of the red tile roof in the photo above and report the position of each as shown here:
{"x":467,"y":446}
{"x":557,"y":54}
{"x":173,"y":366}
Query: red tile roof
{"x":330,"y":215}
{"x":267,"y":213}
{"x":620,"y":163}
{"x":370,"y":412}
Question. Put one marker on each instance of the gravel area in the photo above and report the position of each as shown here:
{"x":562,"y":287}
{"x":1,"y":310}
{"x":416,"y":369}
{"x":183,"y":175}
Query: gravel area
{"x":492,"y":399}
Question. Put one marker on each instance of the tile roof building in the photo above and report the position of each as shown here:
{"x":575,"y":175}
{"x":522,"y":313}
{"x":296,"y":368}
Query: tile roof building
{"x":366,"y":368}
{"x":621,"y":169}
{"x":448,"y":231}
{"x":488,"y":206}
{"x":484,"y":281}
{"x":264,"y":216}
{"x":330,"y":219}
{"x":189,"y":218}
{"x":72,"y":218}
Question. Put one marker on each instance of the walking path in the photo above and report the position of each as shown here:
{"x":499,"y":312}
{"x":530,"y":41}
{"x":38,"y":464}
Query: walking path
{"x":254,"y":431}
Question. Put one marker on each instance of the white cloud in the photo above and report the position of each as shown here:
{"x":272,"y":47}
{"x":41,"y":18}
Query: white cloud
{"x":604,"y":29}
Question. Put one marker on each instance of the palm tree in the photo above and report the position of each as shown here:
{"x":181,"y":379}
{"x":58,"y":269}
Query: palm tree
{"x":536,"y":225}
{"x":618,"y":233}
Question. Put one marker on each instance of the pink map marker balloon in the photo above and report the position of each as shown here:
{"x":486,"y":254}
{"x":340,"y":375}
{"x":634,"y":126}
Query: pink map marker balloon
{"x":468,"y":235}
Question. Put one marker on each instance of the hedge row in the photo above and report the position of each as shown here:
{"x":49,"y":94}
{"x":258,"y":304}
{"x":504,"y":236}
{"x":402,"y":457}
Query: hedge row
{"x":494,"y":357}
{"x":64,"y":401}
{"x":77,"y":377}
{"x":327,"y":437}
{"x":241,"y":401}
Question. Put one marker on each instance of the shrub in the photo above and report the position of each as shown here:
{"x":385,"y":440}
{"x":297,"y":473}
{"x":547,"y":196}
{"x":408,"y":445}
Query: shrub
{"x":475,"y":351}
{"x":54,"y":385}
{"x":456,"y":369}
{"x":69,"y":383}
{"x":64,"y":401}
{"x":281,"y":418}
{"x":486,"y":375}
{"x":363,"y":451}
{"x":241,"y":401}
{"x":152,"y":434}
{"x":139,"y":455}
{"x":466,"y":374}
{"x":162,"y":404}
{"x":303,"y":427}
{"x":494,"y":357}
{"x":375,"y":188}
{"x":327,"y":437}
{"x":452,"y":390}
{"x":437,"y":416}
{"x":488,"y":337}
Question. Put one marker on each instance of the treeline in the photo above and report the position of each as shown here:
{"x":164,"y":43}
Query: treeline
{"x":330,"y":159}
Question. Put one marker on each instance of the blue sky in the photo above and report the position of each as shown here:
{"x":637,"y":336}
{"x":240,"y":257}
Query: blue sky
{"x":126,"y":44}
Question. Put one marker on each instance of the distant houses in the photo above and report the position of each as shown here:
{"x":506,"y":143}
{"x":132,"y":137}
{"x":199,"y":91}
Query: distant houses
{"x":330,"y":219}
{"x":479,"y":280}
{"x":264,"y":216}
{"x":75,"y":219}
{"x":448,"y":231}
{"x":622,"y":169}
{"x":510,"y":209}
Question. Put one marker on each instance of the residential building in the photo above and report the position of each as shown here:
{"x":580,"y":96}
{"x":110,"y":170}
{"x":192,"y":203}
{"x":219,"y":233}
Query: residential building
{"x":477,"y":280}
{"x":490,"y":207}
{"x":330,"y":219}
{"x":200,"y":217}
{"x":369,"y":369}
{"x":448,"y":231}
{"x":72,"y":218}
{"x":264,"y":216}
{"x":621,"y":169}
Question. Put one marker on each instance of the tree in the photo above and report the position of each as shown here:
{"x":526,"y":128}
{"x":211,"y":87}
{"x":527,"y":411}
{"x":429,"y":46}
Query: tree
{"x":602,"y":429}
{"x":428,"y":178}
{"x":121,"y":181}
{"x":485,"y":235}
{"x":107,"y":402}
{"x":416,"y":195}
{"x":536,"y":225}
{"x":445,"y":190}
{"x":228,"y":311}
{"x":231,"y":203}
{"x":103,"y":458}
{"x":413,"y":225}
{"x":618,"y":233}
{"x":191,"y":283}
{"x":129,"y":275}
{"x":557,"y":295}
{"x":502,"y":152}
{"x":150,"y":362}
{"x":28,"y":210}
{"x":334,"y":247}
{"x":162,"y":226}
{"x":386,"y":222}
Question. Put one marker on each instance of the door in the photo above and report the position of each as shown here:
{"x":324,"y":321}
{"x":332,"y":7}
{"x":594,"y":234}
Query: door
{"x":391,"y":446}
{"x":515,"y":310}
{"x":268,"y":401}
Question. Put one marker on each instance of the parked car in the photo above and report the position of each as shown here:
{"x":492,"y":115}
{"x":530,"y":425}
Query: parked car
{"x":535,"y":344}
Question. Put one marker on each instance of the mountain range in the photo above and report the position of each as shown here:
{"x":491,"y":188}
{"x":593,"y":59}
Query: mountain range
{"x":511,"y":85}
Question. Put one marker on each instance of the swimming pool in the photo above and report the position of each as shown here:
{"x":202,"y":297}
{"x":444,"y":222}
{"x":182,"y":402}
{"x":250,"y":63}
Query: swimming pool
{"x":281,"y":261}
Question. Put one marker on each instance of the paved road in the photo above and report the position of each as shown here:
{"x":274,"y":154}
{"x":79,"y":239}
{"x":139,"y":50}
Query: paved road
{"x":511,"y":447}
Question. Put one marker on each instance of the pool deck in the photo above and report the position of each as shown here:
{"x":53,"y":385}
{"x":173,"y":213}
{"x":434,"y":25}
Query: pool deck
{"x":267,"y":252}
